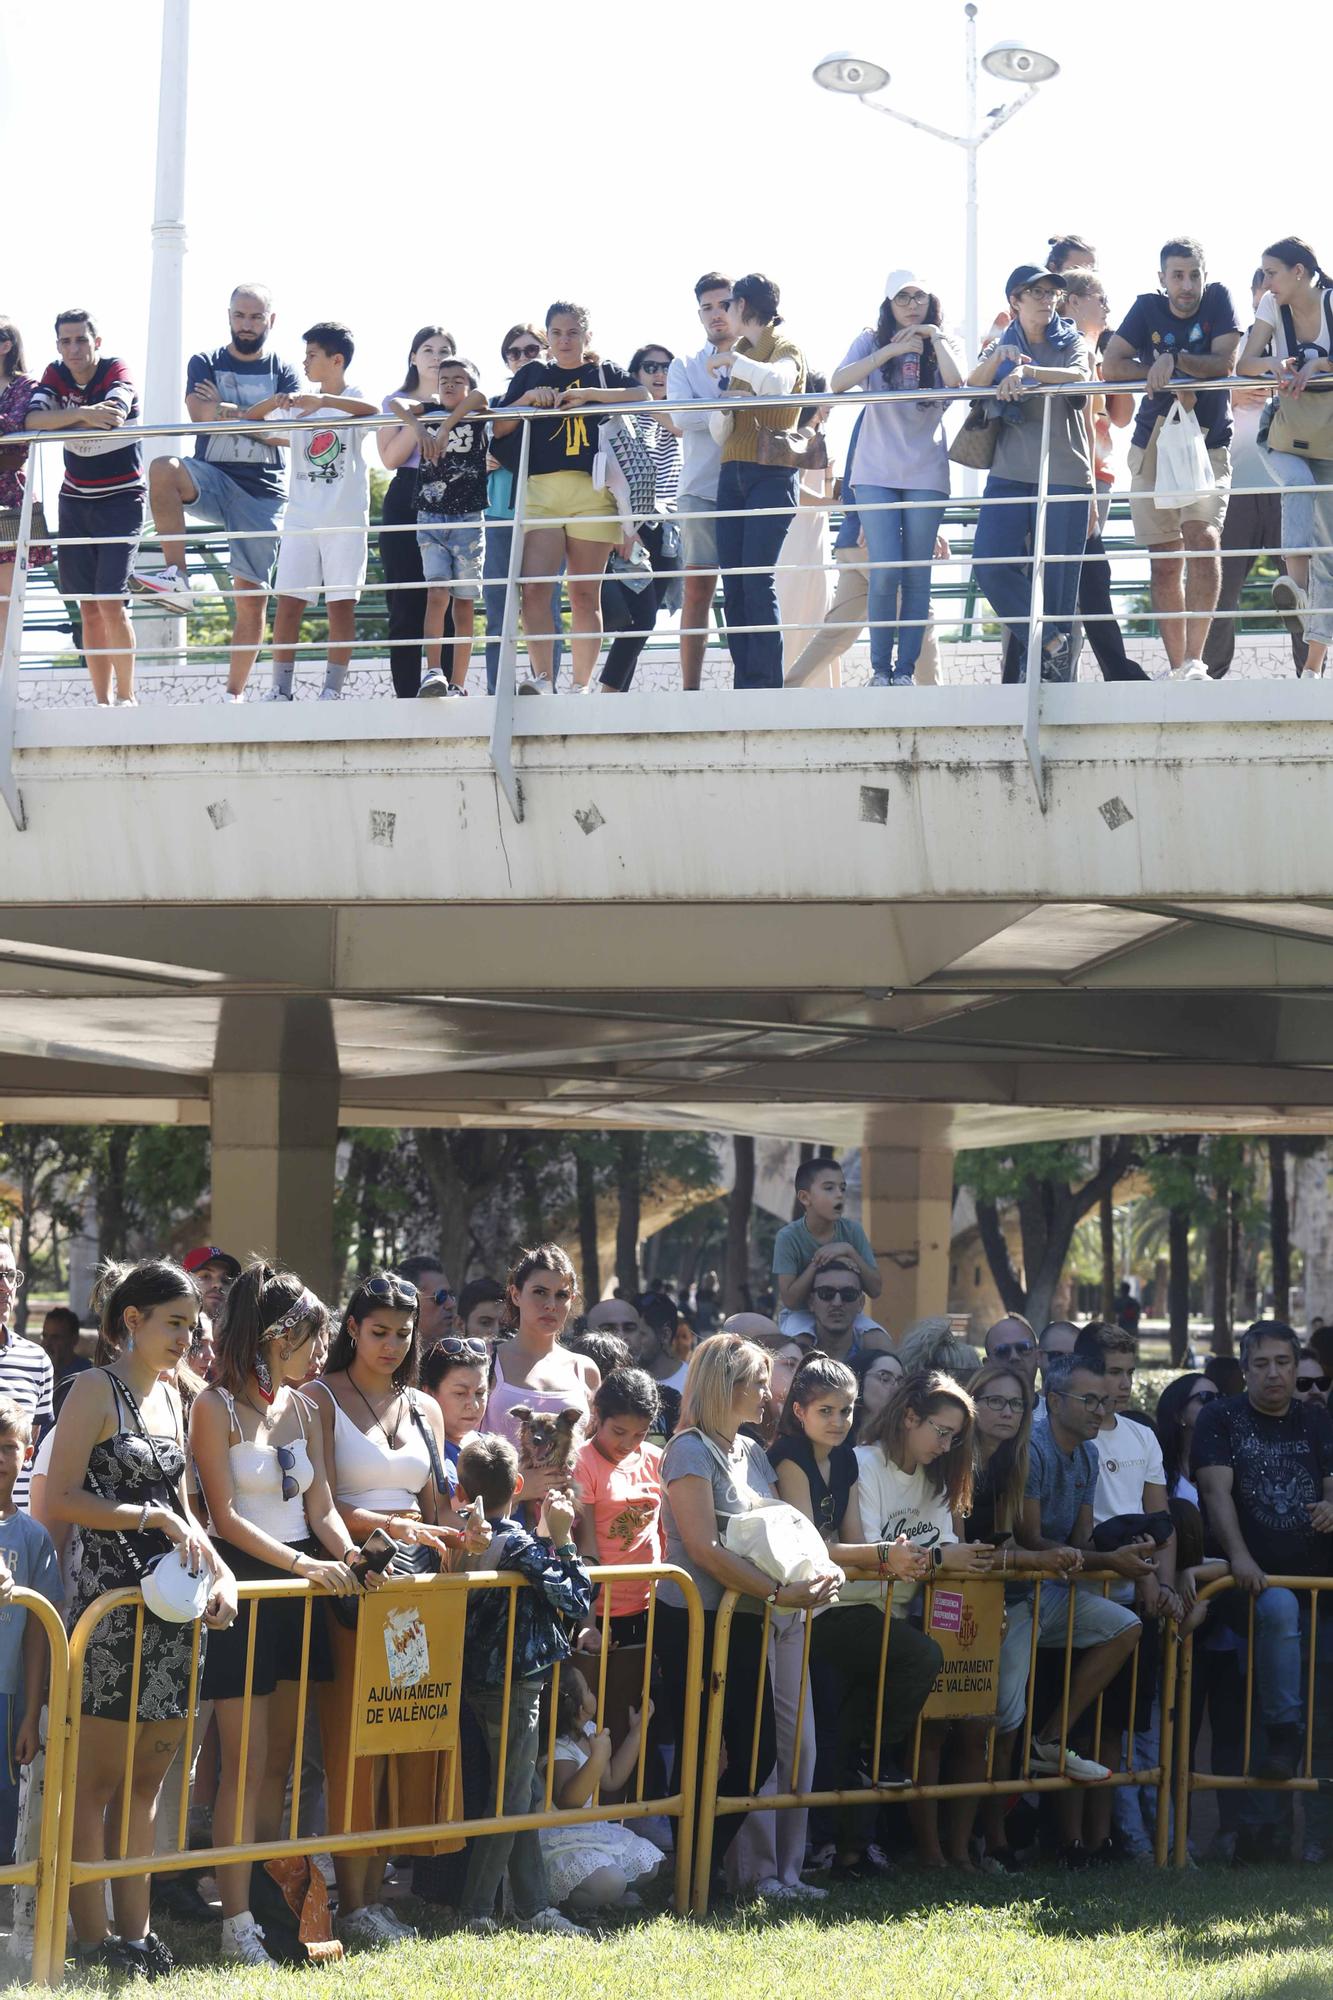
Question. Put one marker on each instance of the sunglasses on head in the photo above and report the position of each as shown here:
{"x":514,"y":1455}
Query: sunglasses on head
{"x":391,"y":1288}
{"x":844,"y":1294}
{"x":460,"y":1349}
{"x":1012,"y":1347}
{"x":286,"y":1457}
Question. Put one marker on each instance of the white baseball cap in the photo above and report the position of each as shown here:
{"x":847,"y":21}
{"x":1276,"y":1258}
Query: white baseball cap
{"x":898,"y":281}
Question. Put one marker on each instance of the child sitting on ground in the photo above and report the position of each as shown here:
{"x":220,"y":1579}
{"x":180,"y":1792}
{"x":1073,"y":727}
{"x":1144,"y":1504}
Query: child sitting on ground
{"x":543,"y":1619}
{"x":591,"y":1866}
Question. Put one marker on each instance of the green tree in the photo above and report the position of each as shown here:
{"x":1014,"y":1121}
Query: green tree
{"x":43,"y":1172}
{"x":1053,"y":1186}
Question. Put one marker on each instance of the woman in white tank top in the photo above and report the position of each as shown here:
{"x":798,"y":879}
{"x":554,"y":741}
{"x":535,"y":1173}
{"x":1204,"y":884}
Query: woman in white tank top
{"x":374,"y":1425}
{"x":260,"y":1458}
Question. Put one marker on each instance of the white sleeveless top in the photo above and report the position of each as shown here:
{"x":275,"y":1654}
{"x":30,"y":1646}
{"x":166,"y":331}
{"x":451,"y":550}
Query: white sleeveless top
{"x":367,"y":1472}
{"x":256,"y":1478}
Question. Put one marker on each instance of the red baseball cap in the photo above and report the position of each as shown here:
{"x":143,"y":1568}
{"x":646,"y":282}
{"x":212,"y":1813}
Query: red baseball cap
{"x":208,"y":1253}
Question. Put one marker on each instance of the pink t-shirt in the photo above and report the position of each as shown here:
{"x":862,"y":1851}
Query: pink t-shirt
{"x":626,"y":1503}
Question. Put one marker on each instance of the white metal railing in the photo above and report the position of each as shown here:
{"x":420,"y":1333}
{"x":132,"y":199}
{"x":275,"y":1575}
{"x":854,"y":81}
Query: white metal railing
{"x":502,"y":718}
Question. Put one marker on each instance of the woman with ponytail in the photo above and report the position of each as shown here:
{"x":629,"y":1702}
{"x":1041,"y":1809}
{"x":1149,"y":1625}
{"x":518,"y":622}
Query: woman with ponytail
{"x":259,"y":1453}
{"x":120,"y":1472}
{"x":1292,"y":340}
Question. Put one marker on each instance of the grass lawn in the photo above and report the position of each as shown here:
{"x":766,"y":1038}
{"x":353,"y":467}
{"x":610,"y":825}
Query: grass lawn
{"x":1123,"y":1932}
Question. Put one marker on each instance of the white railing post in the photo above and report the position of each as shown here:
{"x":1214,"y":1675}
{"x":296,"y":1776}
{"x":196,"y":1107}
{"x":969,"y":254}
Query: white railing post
{"x":502,"y":723}
{"x":9,"y":655}
{"x":1032,"y":710}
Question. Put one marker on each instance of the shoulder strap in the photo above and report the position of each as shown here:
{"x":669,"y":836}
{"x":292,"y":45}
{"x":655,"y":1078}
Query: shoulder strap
{"x":1289,"y":331}
{"x":132,"y":1404}
{"x":693,"y":1430}
{"x":230,"y":1403}
{"x":442,"y":1484}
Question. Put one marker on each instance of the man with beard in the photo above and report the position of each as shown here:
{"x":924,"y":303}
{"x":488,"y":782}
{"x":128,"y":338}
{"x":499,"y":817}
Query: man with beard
{"x":234,"y":480}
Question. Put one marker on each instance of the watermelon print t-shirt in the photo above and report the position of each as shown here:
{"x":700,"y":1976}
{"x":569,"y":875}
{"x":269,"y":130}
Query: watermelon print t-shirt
{"x":330,"y":481}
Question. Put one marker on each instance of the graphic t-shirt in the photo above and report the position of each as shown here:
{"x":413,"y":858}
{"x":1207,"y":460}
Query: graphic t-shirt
{"x":1128,"y":1459}
{"x":455,"y":485}
{"x":330,"y":478}
{"x":1151,"y":328}
{"x":893,"y":1502}
{"x":98,"y":467}
{"x":1279,"y":1465}
{"x":626,"y":1505}
{"x":566,"y":441}
{"x":247,"y":459}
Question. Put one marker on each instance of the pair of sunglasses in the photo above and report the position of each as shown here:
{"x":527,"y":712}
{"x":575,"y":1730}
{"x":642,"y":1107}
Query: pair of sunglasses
{"x":828,"y":1293}
{"x":391,"y":1288}
{"x":460,"y":1349}
{"x":286,"y":1457}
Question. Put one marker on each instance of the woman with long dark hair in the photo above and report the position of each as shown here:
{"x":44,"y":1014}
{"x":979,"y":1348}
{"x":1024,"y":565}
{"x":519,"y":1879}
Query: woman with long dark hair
{"x":382,"y":1441}
{"x":756,"y":494}
{"x":1178,"y":1410}
{"x":533,"y":1368}
{"x":901,"y":461}
{"x":400,"y":557}
{"x":259,"y":1453}
{"x":120,"y":1472}
{"x":17,"y":388}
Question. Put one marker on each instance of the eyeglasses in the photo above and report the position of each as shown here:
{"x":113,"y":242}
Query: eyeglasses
{"x":1045,"y":291}
{"x":947,"y":1438}
{"x":443,"y":1295}
{"x":844,"y":1296}
{"x":391,"y":1288}
{"x":1003,"y":1405}
{"x":13,"y":1281}
{"x":1100,"y":1404}
{"x":529,"y":353}
{"x":1013,"y":1347}
{"x":459,"y":1349}
{"x":911,"y":298}
{"x":286,"y":1457}
{"x":1319,"y":1382}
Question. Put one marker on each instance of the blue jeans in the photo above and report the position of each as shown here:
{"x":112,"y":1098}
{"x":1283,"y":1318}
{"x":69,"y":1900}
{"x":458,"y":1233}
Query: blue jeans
{"x":1307,"y":522}
{"x":753,"y":541}
{"x":495,"y":575}
{"x":1281,"y":1667}
{"x":898,"y":536}
{"x":1004,"y":572}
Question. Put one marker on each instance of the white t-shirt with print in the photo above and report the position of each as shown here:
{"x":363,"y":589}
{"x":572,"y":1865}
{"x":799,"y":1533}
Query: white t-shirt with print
{"x":330,"y":480}
{"x":892,"y":1502}
{"x":1130,"y":1458}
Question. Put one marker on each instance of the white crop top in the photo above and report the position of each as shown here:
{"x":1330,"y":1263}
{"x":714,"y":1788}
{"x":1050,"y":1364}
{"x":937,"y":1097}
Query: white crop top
{"x":257,"y":1472}
{"x":368,"y":1472}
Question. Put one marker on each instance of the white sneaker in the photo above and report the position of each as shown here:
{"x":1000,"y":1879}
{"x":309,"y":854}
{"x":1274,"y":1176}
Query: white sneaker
{"x":330,"y":694}
{"x":372,"y":1924}
{"x":776,"y":1891}
{"x":553,"y":1923}
{"x":168,"y":586}
{"x":275,"y":694}
{"x":1290,"y":599}
{"x":432,"y":684}
{"x":807,"y":1892}
{"x":243,"y":1941}
{"x":535,"y":685}
{"x":1195,"y":670}
{"x":1086,"y":1770}
{"x":227,"y":695}
{"x":125,"y":701}
{"x":478,"y":1926}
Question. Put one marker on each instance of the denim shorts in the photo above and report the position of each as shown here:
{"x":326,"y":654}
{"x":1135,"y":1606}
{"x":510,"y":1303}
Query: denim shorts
{"x":251,"y":519}
{"x":452,"y":548}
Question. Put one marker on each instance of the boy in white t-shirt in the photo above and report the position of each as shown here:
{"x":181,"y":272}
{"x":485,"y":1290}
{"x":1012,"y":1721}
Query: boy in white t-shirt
{"x":328,"y":512}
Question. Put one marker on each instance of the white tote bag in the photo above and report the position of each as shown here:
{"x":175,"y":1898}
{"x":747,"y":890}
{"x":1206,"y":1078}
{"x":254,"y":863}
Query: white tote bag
{"x":1183,"y":472}
{"x":773,"y":1535}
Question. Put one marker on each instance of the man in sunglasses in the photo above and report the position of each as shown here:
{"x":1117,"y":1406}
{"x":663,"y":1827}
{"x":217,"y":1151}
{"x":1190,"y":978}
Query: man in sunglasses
{"x":1011,"y":1339}
{"x":1263,"y":1463}
{"x":436,"y":1313}
{"x":1311,"y":1381}
{"x":838,"y":1317}
{"x":688,"y":378}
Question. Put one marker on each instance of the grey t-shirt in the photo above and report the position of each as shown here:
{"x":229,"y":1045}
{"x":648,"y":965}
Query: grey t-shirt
{"x":1018,"y":446}
{"x":752,"y":1478}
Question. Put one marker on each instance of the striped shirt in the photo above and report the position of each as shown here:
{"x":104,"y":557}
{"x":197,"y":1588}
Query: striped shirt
{"x":100,"y":469}
{"x":666,"y":455}
{"x":27,"y":1378}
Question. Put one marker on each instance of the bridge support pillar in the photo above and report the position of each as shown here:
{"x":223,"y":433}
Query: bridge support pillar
{"x":907,"y":1211}
{"x":274,"y":1115}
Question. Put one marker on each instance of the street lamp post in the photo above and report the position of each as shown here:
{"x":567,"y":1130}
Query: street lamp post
{"x":1012,"y":62}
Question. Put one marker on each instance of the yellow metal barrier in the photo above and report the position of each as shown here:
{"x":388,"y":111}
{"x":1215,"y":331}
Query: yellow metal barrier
{"x":1188,"y":1781}
{"x":61,"y":1872}
{"x":712,"y":1804}
{"x":41,"y":1874}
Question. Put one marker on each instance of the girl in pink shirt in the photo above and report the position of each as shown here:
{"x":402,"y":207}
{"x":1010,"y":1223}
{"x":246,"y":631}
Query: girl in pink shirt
{"x":619,"y":1480}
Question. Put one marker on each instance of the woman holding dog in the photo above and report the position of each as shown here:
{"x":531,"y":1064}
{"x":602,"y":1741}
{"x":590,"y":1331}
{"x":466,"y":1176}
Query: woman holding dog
{"x":532,"y":1369}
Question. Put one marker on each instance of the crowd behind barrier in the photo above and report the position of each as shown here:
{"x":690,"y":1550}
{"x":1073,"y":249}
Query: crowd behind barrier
{"x":448,"y":1568}
{"x":627,"y":493}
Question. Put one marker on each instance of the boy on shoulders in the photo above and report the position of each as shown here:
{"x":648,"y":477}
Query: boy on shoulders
{"x":820,"y":1232}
